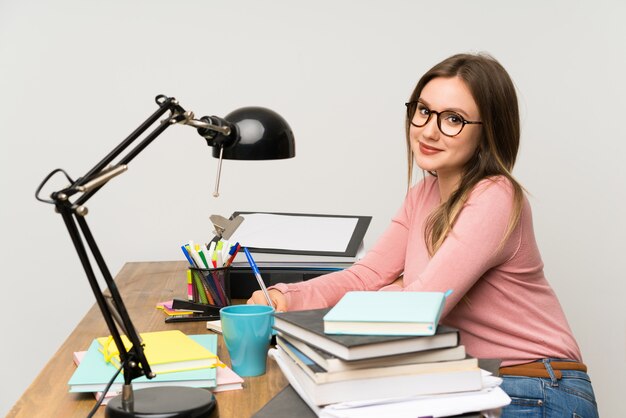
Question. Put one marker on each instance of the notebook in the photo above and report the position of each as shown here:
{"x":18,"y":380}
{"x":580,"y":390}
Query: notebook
{"x":335,"y":364}
{"x":166,"y":351}
{"x":385,"y":313}
{"x":320,"y":375}
{"x":379,"y":387}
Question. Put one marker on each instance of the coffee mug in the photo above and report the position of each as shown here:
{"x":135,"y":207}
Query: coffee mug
{"x":247,"y":330}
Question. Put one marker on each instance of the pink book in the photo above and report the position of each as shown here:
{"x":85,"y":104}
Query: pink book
{"x":227,"y":380}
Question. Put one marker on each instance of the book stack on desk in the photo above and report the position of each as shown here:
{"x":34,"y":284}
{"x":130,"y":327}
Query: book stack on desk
{"x":335,"y":372}
{"x":93,"y":372}
{"x":342,"y":368}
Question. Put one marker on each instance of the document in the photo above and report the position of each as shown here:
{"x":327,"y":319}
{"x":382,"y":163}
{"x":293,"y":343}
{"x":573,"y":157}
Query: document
{"x":295,"y":233}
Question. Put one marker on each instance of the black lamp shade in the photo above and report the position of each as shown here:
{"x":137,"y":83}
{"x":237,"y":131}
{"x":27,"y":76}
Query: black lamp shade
{"x":262,"y":134}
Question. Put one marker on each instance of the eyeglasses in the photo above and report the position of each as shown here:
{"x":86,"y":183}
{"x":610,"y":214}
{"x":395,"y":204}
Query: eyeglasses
{"x":450,"y":123}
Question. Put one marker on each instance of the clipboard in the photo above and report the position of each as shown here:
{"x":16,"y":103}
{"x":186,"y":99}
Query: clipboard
{"x":355,"y":239}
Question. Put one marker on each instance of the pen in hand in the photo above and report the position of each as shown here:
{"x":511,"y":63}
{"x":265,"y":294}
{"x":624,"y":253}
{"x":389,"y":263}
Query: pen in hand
{"x":257,"y":274}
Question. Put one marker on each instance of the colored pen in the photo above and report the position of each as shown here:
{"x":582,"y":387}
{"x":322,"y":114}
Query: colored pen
{"x":233,"y":253}
{"x":219,"y":261}
{"x":189,"y":286}
{"x":203,"y":257}
{"x":211,"y":254}
{"x":225,"y":251}
{"x":233,"y":249}
{"x":257,"y":274}
{"x":194,"y":254}
{"x":191,"y":263}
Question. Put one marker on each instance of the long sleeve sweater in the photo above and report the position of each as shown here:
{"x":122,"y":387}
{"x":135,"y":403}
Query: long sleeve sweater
{"x":501,"y":303}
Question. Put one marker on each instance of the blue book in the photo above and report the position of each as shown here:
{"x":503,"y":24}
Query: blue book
{"x":93,"y":373}
{"x":385,"y":313}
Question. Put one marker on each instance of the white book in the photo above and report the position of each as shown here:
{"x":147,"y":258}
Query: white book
{"x":334,"y":364}
{"x":320,"y":375}
{"x":381,"y":387}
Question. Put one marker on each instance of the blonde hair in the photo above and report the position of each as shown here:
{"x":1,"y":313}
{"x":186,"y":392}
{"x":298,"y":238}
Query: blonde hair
{"x":494,"y":94}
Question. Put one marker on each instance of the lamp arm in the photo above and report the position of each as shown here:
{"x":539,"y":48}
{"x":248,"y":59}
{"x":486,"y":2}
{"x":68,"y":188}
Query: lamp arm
{"x":73,"y":213}
{"x":165,"y":104}
{"x":134,"y":360}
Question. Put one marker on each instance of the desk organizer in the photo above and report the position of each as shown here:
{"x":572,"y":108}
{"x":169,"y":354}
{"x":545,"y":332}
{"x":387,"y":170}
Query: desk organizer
{"x":210,"y":286}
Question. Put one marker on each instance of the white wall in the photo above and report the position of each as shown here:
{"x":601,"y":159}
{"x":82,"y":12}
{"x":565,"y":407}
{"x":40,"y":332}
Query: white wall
{"x":77,"y":76}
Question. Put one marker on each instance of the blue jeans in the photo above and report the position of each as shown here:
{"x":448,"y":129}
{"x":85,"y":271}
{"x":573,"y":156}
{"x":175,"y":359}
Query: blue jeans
{"x":569,"y":397}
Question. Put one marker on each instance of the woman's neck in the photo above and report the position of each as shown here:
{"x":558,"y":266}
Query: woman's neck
{"x":447,"y":185}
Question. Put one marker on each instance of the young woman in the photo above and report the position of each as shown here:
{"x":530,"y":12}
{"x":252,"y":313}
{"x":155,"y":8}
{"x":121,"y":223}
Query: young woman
{"x":467,"y":226}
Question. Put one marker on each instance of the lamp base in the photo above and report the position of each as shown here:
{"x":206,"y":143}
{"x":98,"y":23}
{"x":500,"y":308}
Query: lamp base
{"x":166,"y":402}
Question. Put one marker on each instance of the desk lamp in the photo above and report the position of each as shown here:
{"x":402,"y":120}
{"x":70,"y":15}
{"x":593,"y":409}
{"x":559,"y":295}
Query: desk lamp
{"x":250,"y":133}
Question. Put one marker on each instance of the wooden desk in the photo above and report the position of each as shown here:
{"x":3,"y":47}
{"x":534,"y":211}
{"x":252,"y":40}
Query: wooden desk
{"x":142,"y":286}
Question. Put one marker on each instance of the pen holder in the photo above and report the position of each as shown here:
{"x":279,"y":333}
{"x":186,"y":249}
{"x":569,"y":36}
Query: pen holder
{"x":210,"y":286}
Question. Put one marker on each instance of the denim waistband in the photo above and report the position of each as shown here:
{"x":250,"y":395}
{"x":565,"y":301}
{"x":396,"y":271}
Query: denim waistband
{"x":545,"y":368}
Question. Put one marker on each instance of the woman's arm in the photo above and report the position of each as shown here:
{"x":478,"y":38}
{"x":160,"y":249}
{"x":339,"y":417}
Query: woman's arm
{"x":378,"y":268}
{"x":475,"y":244}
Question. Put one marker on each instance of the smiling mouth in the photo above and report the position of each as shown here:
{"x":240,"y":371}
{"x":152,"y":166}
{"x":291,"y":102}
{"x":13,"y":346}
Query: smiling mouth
{"x":425,"y":149}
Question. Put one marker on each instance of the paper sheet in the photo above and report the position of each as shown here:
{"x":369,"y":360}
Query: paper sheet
{"x":295,"y":233}
{"x":438,"y":406}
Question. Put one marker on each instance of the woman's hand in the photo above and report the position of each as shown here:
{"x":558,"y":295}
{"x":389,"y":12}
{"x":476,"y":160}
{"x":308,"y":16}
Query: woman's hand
{"x":399,"y":281}
{"x":278,"y":299}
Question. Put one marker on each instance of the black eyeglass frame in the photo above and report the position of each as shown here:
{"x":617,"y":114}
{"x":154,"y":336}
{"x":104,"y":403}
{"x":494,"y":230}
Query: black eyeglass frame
{"x":430,"y":113}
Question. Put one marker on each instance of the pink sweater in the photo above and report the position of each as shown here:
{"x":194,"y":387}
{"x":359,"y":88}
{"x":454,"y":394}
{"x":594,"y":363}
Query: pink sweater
{"x":501,"y":301}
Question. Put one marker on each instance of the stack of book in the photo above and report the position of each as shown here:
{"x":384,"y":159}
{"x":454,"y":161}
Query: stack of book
{"x":178,"y":360}
{"x":359,"y":370}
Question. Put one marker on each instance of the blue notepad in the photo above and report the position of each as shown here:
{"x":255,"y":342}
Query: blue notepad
{"x":385,"y":313}
{"x":93,"y":373}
